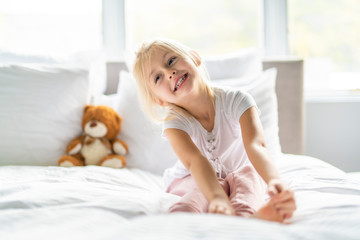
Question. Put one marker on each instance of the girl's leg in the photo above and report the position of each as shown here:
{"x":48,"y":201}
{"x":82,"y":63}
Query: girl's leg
{"x":192,"y":198}
{"x":247,"y":191}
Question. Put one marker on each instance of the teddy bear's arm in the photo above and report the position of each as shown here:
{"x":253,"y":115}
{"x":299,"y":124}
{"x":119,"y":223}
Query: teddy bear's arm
{"x":74,"y":146}
{"x":120,"y":147}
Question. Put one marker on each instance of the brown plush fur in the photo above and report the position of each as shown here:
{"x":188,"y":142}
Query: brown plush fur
{"x":105,"y":150}
{"x":103,"y":114}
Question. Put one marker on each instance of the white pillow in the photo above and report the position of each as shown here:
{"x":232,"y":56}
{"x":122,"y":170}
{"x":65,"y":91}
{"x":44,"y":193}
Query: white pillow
{"x":262,"y":87}
{"x":41,"y":110}
{"x":111,"y":100}
{"x":242,"y":63}
{"x":92,"y":61}
{"x":17,"y":58}
{"x":147,"y":149}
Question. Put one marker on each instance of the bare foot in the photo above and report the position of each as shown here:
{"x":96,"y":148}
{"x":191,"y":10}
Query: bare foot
{"x":269,"y":213}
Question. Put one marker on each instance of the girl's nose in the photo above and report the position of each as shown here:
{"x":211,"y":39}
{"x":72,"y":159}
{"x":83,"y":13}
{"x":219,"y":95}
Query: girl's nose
{"x":173,"y":73}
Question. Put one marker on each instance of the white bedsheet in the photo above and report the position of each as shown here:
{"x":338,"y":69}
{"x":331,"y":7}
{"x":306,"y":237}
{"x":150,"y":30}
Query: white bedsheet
{"x":101,"y":203}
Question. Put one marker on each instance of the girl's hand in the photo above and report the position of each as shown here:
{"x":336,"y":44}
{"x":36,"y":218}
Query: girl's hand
{"x":221,"y":206}
{"x":282,"y":197}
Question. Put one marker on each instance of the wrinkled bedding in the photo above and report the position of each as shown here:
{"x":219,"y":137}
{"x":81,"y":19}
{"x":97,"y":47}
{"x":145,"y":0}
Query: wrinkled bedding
{"x":102,"y":203}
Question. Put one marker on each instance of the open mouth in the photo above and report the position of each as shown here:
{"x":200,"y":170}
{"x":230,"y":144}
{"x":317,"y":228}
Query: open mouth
{"x":180,"y":82}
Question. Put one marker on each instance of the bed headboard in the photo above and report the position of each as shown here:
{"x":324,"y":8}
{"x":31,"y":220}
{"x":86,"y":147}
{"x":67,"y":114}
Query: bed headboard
{"x":289,"y":89}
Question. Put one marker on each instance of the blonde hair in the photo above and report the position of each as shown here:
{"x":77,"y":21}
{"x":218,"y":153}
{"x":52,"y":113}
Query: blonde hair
{"x":142,"y":62}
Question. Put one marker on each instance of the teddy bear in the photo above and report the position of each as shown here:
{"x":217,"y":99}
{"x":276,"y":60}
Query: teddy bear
{"x":98,"y":144}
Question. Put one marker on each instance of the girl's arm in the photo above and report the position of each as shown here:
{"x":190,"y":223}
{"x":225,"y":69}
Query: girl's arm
{"x":254,"y":142}
{"x":201,"y":170}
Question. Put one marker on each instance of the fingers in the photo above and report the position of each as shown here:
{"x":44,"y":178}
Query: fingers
{"x":221,"y":208}
{"x":284,"y":196}
{"x":273,"y":191}
{"x":284,"y":203}
{"x":286,"y":209}
{"x":279,"y":187}
{"x":275,"y":187}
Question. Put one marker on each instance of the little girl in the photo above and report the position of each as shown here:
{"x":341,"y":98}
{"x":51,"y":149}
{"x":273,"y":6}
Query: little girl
{"x":215,"y":132}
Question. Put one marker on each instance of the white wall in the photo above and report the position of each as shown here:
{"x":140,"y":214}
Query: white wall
{"x":332,"y":131}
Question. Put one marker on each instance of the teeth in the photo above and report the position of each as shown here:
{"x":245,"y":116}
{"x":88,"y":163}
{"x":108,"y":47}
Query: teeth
{"x":180,"y":81}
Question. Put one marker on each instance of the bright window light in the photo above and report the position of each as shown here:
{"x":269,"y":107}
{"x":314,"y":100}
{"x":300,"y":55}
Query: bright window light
{"x":209,"y":26}
{"x":50,"y":28}
{"x":326,"y":34}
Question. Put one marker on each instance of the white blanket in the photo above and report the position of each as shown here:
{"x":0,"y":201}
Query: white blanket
{"x":101,"y":203}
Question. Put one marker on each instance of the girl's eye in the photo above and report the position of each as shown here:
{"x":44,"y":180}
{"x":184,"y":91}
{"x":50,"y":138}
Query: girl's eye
{"x":171,"y":60}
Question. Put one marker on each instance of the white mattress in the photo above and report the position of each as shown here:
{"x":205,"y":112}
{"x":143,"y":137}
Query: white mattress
{"x":101,"y":203}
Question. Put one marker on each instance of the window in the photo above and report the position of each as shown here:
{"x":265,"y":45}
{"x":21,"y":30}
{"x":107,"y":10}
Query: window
{"x":326,"y":34}
{"x":51,"y":28}
{"x":209,"y":26}
{"x":323,"y":32}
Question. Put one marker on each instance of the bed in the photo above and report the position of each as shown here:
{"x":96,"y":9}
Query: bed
{"x":41,"y":108}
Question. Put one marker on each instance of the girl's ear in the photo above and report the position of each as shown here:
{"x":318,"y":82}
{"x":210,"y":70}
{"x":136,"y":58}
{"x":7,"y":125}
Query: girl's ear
{"x":196,"y":57}
{"x":164,"y":104}
{"x":161,"y":102}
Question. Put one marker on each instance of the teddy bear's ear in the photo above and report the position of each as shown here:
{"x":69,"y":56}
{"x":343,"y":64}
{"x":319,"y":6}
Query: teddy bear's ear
{"x":87,"y":107}
{"x":118,"y":119}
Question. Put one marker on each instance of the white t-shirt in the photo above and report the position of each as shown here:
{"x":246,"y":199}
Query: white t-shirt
{"x":223,"y":146}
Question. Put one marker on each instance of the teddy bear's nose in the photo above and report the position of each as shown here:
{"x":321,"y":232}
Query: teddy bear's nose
{"x":93,"y":124}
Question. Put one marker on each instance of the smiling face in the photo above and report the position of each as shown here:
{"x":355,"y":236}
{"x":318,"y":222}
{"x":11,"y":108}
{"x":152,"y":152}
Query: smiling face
{"x":168,"y":72}
{"x":172,"y":77}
